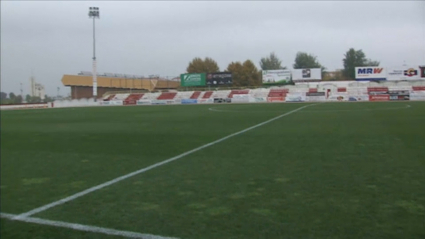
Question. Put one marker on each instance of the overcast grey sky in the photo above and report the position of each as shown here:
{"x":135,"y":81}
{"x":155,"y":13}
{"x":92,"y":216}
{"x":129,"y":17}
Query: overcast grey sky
{"x":53,"y":38}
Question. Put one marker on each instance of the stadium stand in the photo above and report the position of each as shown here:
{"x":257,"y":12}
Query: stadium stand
{"x":221,"y":94}
{"x":238,"y":92}
{"x":418,"y":88}
{"x":195,"y":95}
{"x":183,"y":95}
{"x":207,"y":95}
{"x":278,"y":92}
{"x":120,"y":97}
{"x":167,"y":96}
{"x":132,"y":99}
{"x":108,"y":97}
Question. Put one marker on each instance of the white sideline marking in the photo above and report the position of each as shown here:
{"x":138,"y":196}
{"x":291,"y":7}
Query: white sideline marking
{"x":100,"y":186}
{"x":81,"y":227}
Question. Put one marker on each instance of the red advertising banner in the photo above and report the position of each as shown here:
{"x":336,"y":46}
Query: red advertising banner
{"x":379,"y":97}
{"x":275,"y":99}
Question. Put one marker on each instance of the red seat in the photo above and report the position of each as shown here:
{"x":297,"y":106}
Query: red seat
{"x":238,"y":92}
{"x":278,"y":93}
{"x":207,"y":95}
{"x":132,"y":99}
{"x":167,"y":96}
{"x":418,"y":88}
{"x":195,"y":95}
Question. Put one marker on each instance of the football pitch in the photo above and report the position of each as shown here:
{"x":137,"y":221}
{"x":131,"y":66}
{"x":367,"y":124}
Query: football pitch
{"x":300,"y":170}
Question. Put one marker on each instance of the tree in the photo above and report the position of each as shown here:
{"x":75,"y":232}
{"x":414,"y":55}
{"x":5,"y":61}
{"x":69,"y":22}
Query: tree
{"x":244,"y":74}
{"x":251,"y":73}
{"x":18,"y":99}
{"x":3,"y":95}
{"x":197,"y":65}
{"x":355,"y":58}
{"x":369,"y":62}
{"x":12,"y":96}
{"x":271,"y":62}
{"x":28,"y":98}
{"x":305,"y":60}
{"x":48,"y":99}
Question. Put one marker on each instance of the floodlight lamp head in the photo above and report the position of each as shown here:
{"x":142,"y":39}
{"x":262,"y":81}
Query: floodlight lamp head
{"x":94,"y":12}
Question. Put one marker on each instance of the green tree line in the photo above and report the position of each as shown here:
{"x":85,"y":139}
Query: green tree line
{"x":11,"y":98}
{"x":247,"y":74}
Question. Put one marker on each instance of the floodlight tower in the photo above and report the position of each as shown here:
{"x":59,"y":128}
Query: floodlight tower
{"x":94,"y":13}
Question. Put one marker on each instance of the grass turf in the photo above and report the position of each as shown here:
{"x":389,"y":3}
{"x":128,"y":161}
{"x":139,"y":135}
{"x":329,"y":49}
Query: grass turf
{"x":332,"y":170}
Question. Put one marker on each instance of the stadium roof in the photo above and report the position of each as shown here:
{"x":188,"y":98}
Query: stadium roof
{"x":121,"y":83}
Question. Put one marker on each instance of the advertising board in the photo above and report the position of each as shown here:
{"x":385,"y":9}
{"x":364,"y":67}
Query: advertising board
{"x":260,"y":99}
{"x":219,"y":78}
{"x":315,"y":94}
{"x":24,"y":106}
{"x":338,"y":98}
{"x":276,"y":76}
{"x":275,"y":99}
{"x":315,"y":98}
{"x":189,"y":101}
{"x":159,"y":102}
{"x":144,"y":102}
{"x":399,"y":95}
{"x":240,"y":99}
{"x":358,"y":98}
{"x":206,"y":101}
{"x":295,"y":98}
{"x":379,"y":97}
{"x":422,"y":69}
{"x":417,"y":96}
{"x":308,"y":74}
{"x":403,"y":73}
{"x":197,"y":79}
{"x":370,"y":73}
{"x":222,"y":100}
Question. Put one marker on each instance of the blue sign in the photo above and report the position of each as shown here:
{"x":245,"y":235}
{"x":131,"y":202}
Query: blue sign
{"x":189,"y":101}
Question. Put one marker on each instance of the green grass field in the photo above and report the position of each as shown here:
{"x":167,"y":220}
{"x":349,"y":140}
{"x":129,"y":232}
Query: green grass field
{"x":330,"y":170}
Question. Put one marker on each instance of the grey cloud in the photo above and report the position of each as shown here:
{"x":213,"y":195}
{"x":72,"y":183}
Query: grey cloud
{"x":55,"y":38}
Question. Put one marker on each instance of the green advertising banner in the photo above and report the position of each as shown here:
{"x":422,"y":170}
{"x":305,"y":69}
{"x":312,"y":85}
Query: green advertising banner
{"x":197,"y":79}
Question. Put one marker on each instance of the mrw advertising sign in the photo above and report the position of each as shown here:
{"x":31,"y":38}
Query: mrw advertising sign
{"x":370,"y":73}
{"x":197,"y":79}
{"x":276,"y":76}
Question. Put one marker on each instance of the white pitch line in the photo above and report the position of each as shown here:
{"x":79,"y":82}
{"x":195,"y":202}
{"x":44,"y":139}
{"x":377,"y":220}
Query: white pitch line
{"x":81,"y":227}
{"x":100,"y":186}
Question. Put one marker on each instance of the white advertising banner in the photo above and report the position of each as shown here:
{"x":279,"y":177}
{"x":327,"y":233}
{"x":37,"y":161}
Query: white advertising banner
{"x":276,"y":76}
{"x":315,"y":98}
{"x":358,"y":98}
{"x":370,"y":73}
{"x":295,"y":97}
{"x":240,"y":98}
{"x":417,"y":96}
{"x":308,"y":74}
{"x":403,"y":73}
{"x":338,"y":98}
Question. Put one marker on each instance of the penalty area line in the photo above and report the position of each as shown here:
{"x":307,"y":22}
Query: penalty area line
{"x":116,"y":180}
{"x":85,"y":228}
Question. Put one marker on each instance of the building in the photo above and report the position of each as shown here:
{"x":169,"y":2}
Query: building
{"x":36,"y":89}
{"x":82,"y":84}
